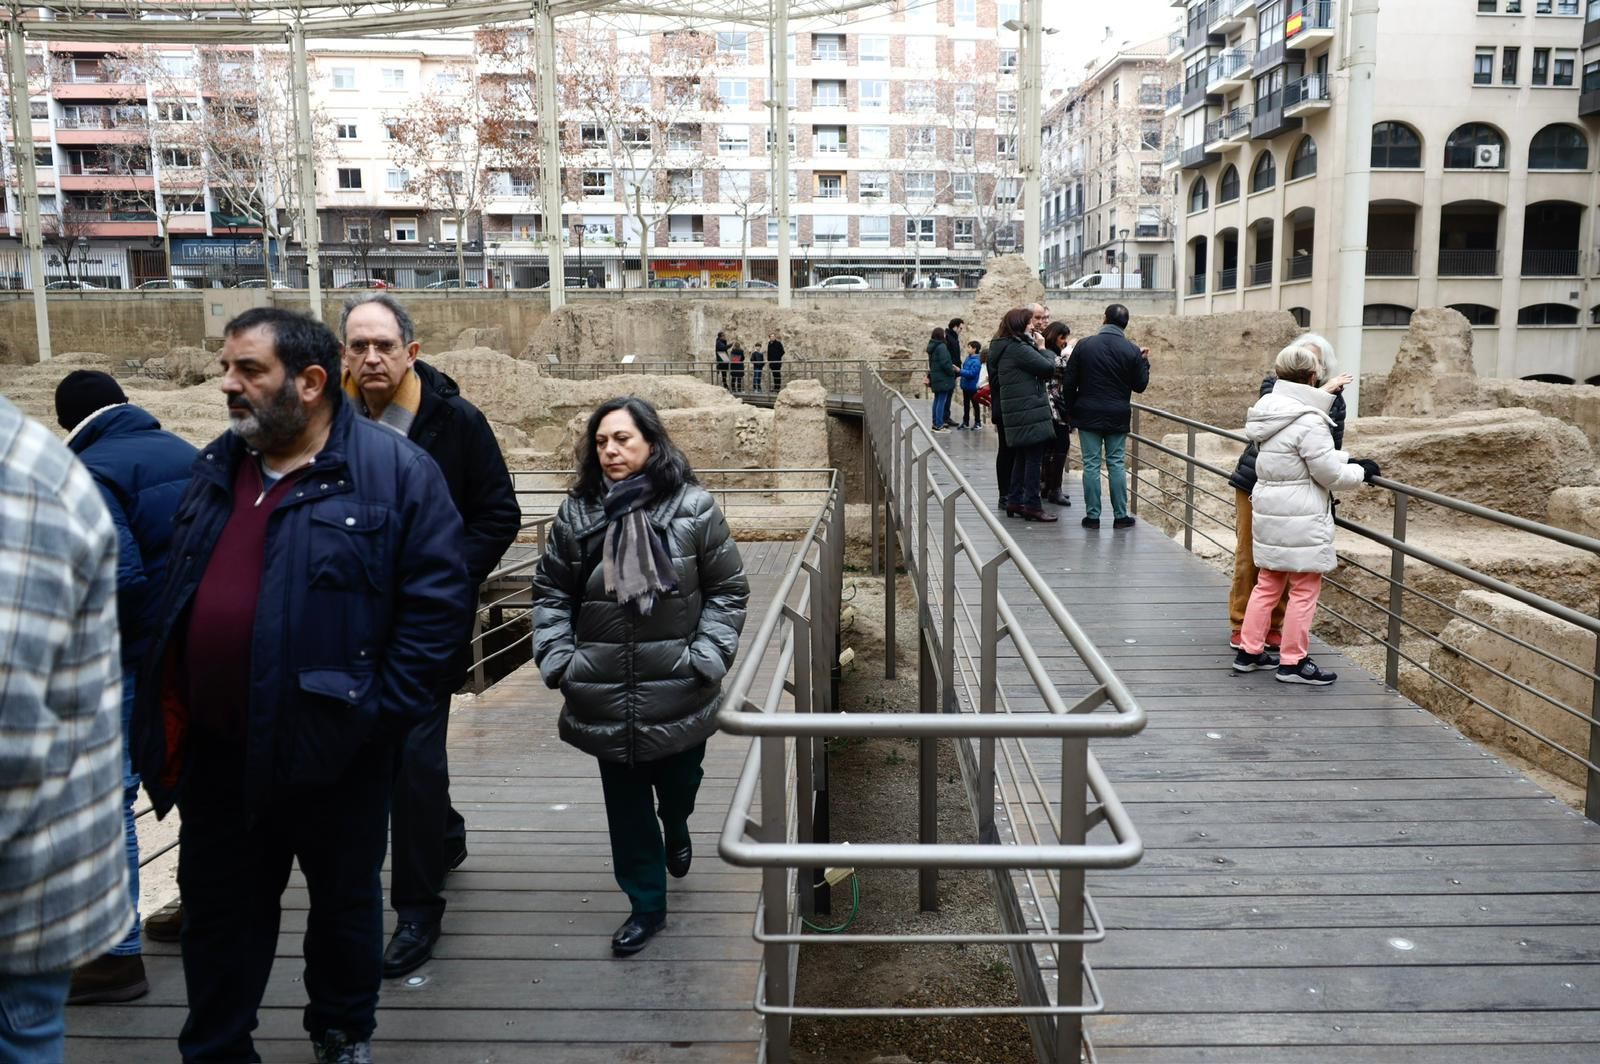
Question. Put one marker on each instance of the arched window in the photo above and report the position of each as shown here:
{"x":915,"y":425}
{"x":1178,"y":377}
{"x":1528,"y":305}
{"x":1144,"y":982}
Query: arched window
{"x":1302,"y":316}
{"x":1476,"y":313}
{"x":1396,"y":146}
{"x":1199,"y":195}
{"x":1559,"y":147}
{"x":1265,"y":174}
{"x":1304,"y":163}
{"x":1228,"y":185}
{"x":1475,"y":145}
{"x":1385,"y":314}
{"x":1548,"y":314}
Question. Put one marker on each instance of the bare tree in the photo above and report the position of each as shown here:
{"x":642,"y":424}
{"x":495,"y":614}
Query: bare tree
{"x":640,"y":117}
{"x":62,"y":230}
{"x":985,"y":172}
{"x":746,"y":191}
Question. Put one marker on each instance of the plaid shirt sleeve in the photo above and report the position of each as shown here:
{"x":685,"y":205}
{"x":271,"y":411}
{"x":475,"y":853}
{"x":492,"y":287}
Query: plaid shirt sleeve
{"x":63,"y":869}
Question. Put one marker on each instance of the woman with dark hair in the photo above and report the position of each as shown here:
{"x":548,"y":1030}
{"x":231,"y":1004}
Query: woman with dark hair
{"x":1020,"y":370}
{"x":1058,"y":449}
{"x":639,"y":600}
{"x":941,"y":379}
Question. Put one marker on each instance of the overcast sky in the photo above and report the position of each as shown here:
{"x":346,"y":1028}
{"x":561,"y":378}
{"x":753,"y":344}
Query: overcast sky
{"x":1083,"y":25}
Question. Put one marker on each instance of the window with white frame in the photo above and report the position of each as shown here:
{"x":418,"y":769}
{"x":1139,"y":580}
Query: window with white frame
{"x":874,"y":230}
{"x":734,"y":140}
{"x":965,"y":141}
{"x":920,"y":96}
{"x":391,"y":129}
{"x":734,"y":184}
{"x":966,"y":12}
{"x":874,"y":95}
{"x":964,"y":231}
{"x":684,"y":184}
{"x":592,"y":135}
{"x":827,"y":94}
{"x":830,"y":140}
{"x":349,"y":178}
{"x":830,"y":228}
{"x":829,"y":186}
{"x":919,"y":185}
{"x":186,"y":204}
{"x":175,"y":111}
{"x":772,"y":143}
{"x":1008,"y":61}
{"x":180,"y":158}
{"x":922,"y":140}
{"x":1006,"y":191}
{"x":635,"y":136}
{"x":921,"y":51}
{"x":597,"y":184}
{"x":827,"y":47}
{"x":919,"y":230}
{"x":1566,"y":63}
{"x":873,"y":186}
{"x":396,"y":180}
{"x":963,"y":188}
{"x":403,"y":230}
{"x":636,"y":183}
{"x":733,"y":43}
{"x":448,"y":228}
{"x":1005,"y":146}
{"x":344,"y":78}
{"x":683,"y":138}
{"x":345,"y":129}
{"x":966,"y":96}
{"x":182,"y":66}
{"x":599,"y":229}
{"x":357,"y":232}
{"x":772,"y":229}
{"x":393,"y":79}
{"x":1007,"y":11}
{"x":873,"y":142}
{"x":446,"y":80}
{"x":873,"y":49}
{"x":635,"y":92}
{"x":1005,"y":103}
{"x":733,"y":92}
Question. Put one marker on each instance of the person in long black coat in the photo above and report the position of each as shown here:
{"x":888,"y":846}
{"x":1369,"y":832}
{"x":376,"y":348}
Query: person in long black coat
{"x":1020,"y":378}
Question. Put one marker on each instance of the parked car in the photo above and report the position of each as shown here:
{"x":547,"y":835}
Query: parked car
{"x":934,"y":282}
{"x":454,"y":283}
{"x":1107,"y":280}
{"x":759,"y":284}
{"x":260,"y":282}
{"x":73,"y":286}
{"x":669,"y":282}
{"x":842,"y":282}
{"x":163,"y":283}
{"x":368,"y":282}
{"x":573,"y":281}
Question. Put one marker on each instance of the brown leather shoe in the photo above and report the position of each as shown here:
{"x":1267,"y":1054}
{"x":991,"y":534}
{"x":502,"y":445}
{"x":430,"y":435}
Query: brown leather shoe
{"x":1040,"y":515}
{"x":166,"y":923}
{"x":108,"y":978}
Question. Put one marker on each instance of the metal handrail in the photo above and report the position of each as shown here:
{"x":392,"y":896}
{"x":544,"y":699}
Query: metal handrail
{"x":1184,"y":514}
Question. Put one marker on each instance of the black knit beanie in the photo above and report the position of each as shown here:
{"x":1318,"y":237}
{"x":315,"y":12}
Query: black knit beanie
{"x":82,"y":392}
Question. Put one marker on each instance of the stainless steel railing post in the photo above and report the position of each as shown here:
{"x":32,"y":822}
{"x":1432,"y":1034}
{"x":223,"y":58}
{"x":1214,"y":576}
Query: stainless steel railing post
{"x":988,"y":687}
{"x":1133,"y":463}
{"x":1397,"y":576}
{"x":1591,"y":795}
{"x":947,"y":599}
{"x":1188,"y":494}
{"x":804,"y":694}
{"x":927,"y":778}
{"x":1069,"y":899}
{"x":775,"y":895}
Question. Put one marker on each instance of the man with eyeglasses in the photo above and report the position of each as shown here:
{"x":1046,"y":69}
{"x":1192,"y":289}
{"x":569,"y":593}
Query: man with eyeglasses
{"x":387,"y":383}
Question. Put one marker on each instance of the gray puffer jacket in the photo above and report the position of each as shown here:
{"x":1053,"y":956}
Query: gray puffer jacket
{"x":639,"y":688}
{"x":1023,"y":371}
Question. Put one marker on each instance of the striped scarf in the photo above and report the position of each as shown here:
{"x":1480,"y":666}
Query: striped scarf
{"x":636,"y":564}
{"x":402,"y":409}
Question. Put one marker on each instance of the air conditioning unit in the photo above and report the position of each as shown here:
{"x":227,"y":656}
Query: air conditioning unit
{"x":1488,"y":157}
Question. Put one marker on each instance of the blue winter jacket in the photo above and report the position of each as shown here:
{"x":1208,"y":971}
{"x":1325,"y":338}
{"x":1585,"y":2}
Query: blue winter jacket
{"x":971,"y":370}
{"x":364,"y":596}
{"x":141,"y":472}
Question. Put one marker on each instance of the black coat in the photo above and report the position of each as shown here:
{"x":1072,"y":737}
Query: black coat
{"x":458,"y":438}
{"x":1244,"y":474}
{"x":941,"y":372}
{"x":639,"y":688}
{"x":775,"y":351}
{"x":1102,"y":375}
{"x":1018,"y":371}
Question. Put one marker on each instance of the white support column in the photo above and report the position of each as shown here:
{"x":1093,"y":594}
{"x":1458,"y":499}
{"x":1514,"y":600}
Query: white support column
{"x":28,"y":183}
{"x":550,"y":168}
{"x":778,"y":97}
{"x":1029,"y":134}
{"x":1361,"y":62}
{"x":300,"y":86}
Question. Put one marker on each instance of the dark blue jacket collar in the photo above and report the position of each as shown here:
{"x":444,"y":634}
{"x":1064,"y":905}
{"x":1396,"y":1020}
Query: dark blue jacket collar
{"x":111,"y":421}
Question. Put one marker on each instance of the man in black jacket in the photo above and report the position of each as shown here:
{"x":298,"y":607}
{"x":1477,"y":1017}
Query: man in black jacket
{"x":388,"y":384}
{"x":775,"y":361}
{"x":1102,"y":375}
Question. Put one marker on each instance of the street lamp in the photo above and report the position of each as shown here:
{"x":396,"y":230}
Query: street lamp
{"x":1122,"y":274}
{"x":580,"y":229}
{"x":805,"y":251}
{"x":83,"y":255}
{"x":494,"y":257}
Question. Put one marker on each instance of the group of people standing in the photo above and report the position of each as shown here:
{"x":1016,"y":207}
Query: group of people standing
{"x":732,"y":356}
{"x":266,"y":633}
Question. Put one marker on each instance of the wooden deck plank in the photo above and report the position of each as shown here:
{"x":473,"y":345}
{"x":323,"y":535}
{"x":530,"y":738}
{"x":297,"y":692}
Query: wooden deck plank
{"x":1292,"y":836}
{"x":524,"y":969}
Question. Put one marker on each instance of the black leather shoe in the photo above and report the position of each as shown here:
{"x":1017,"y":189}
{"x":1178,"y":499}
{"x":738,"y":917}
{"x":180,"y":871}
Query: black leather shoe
{"x":409,"y":949}
{"x":678,"y":859}
{"x":635,"y":932}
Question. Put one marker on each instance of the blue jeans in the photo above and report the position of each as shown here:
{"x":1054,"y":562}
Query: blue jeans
{"x":941,"y":408}
{"x":1113,"y":446}
{"x":755,"y":377}
{"x":129,"y":946}
{"x":33,"y":1018}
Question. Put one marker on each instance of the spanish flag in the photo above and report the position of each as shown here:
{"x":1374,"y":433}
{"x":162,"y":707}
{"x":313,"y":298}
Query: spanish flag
{"x":1296,"y":23}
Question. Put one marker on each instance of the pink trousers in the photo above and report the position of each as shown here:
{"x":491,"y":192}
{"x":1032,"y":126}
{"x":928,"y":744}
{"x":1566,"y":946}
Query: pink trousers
{"x":1304,"y":590}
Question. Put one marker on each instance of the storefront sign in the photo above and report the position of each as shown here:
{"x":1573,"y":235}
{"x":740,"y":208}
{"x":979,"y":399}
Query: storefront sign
{"x":713,"y":269}
{"x":205,"y":251}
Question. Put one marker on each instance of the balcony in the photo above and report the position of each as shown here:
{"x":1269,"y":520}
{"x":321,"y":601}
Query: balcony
{"x":1151,"y":96}
{"x":1170,"y":156}
{"x":1308,"y":94}
{"x":1228,"y":71}
{"x":1196,"y":157}
{"x":1550,"y":263}
{"x":1310,"y":25}
{"x":1231,"y":15}
{"x":1174,"y":97}
{"x":1297,"y":268}
{"x":1260,"y":273}
{"x":1269,"y":120}
{"x":1228,"y":132}
{"x":686,"y":238}
{"x":1227,"y":280}
{"x":830,"y":192}
{"x":88,"y":89}
{"x":1197,"y":285}
{"x":1385,"y":262}
{"x":1469,"y":263}
{"x":1175,"y":43}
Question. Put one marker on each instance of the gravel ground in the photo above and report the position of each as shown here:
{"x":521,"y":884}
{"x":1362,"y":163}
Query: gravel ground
{"x":874,"y":797}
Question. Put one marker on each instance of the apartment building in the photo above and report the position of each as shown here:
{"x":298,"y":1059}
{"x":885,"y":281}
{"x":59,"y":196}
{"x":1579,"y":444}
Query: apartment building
{"x":1484,"y":173}
{"x":903,"y":159}
{"x":1105,"y":197}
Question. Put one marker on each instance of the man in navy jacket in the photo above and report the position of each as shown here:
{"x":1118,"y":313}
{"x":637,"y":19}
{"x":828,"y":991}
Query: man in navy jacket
{"x":141,"y":472}
{"x":316,"y":593}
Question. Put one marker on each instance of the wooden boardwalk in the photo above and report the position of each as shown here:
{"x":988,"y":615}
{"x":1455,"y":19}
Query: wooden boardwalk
{"x":1330,"y":874}
{"x":524,"y":970}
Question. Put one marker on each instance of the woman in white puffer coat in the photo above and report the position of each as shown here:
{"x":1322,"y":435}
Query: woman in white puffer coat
{"x":1297,"y":470}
